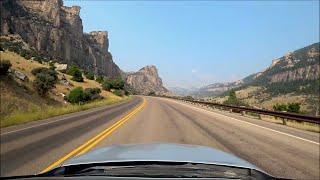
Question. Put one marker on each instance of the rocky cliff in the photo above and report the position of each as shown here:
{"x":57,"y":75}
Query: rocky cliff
{"x":146,"y":81}
{"x":56,"y":32}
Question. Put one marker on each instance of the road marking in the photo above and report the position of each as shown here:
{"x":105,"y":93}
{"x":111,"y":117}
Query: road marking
{"x":37,"y":125}
{"x":95,"y":140}
{"x":290,"y":135}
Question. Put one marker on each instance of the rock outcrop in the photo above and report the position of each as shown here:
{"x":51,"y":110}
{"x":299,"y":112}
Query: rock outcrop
{"x":146,"y":81}
{"x":56,"y":32}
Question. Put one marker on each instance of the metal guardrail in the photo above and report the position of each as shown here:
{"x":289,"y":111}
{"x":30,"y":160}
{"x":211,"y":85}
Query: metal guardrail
{"x":283,"y":115}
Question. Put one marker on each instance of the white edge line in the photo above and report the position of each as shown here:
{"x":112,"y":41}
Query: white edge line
{"x":290,"y":135}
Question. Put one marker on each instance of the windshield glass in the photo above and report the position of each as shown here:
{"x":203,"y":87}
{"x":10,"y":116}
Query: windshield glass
{"x":221,"y":88}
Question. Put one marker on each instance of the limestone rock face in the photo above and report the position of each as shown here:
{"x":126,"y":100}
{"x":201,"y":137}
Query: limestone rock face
{"x":56,"y":32}
{"x":146,"y":81}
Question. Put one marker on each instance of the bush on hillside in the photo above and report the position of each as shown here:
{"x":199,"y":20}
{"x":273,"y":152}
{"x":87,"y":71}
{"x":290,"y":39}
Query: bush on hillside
{"x":45,"y":80}
{"x":43,"y":83}
{"x":78,"y":95}
{"x":4,"y":66}
{"x":89,"y":75}
{"x":51,"y":65}
{"x":76,"y":73}
{"x":93,"y":93}
{"x":117,"y":83}
{"x":118,"y":92}
{"x":44,"y":70}
{"x":100,"y":79}
{"x":106,"y":85}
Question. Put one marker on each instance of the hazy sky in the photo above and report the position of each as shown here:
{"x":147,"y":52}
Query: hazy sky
{"x":198,"y":43}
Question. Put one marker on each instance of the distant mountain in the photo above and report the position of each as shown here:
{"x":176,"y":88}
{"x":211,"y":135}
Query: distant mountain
{"x":180,"y":91}
{"x":218,"y":88}
{"x":296,"y":71}
{"x":146,"y":81}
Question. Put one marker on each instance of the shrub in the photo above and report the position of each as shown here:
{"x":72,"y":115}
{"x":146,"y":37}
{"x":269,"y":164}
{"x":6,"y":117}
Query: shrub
{"x":44,"y":70}
{"x":4,"y":66}
{"x":76,"y":95}
{"x":117,"y":83}
{"x":118,"y":92}
{"x":51,"y":65}
{"x":106,"y":85}
{"x":93,"y":93}
{"x":100,"y":79}
{"x":280,"y":107}
{"x":38,"y":59}
{"x":77,"y":76}
{"x":43,"y":83}
{"x":152,"y":93}
{"x":89,"y":75}
{"x":76,"y":73}
{"x":294,"y":107}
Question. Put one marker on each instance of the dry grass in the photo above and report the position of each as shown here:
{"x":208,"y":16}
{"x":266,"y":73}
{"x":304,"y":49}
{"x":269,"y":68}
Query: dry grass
{"x":51,"y":111}
{"x":21,"y":104}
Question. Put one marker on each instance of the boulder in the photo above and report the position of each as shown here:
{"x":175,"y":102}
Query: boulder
{"x":20,"y":75}
{"x":61,"y":67}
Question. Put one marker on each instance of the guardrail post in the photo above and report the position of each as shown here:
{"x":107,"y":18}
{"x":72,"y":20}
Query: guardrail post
{"x":230,"y":110}
{"x":259,"y":116}
{"x":284,"y":122}
{"x":243,"y":113}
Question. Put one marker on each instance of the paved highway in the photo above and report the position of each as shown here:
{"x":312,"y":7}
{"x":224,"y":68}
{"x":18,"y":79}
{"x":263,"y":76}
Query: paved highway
{"x":279,"y":150}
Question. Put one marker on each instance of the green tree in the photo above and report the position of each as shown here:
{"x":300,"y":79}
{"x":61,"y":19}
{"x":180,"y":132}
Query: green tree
{"x":233,"y":100}
{"x":4,"y":66}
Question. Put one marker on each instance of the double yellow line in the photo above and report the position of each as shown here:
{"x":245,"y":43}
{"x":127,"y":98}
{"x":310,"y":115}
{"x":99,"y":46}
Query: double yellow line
{"x":95,"y":140}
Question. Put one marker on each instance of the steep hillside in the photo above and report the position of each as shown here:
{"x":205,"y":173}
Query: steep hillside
{"x":296,"y":72}
{"x":146,"y":81}
{"x":56,"y":32}
{"x":21,"y":103}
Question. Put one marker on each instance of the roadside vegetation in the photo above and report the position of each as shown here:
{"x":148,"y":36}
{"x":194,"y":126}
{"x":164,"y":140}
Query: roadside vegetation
{"x":290,"y":107}
{"x":42,"y":94}
{"x":76,"y":73}
{"x":233,"y":100}
{"x":51,"y":111}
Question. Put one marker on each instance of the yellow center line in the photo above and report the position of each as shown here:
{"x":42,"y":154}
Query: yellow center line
{"x":95,"y":140}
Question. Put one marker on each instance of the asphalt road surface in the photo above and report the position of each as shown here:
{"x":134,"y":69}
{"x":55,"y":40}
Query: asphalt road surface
{"x":279,"y":150}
